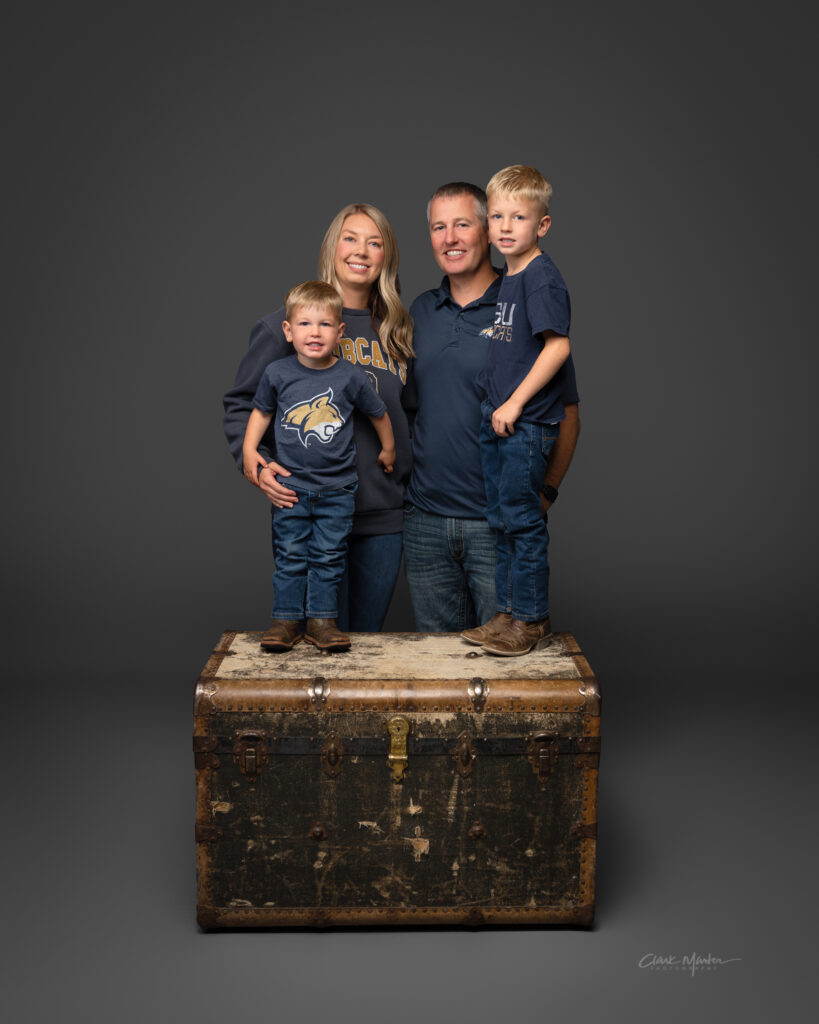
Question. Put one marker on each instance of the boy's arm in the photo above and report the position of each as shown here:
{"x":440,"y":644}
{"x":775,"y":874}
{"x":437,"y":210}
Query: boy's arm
{"x":257,"y":424}
{"x":552,"y":356}
{"x":383,"y":427}
{"x":562,"y":452}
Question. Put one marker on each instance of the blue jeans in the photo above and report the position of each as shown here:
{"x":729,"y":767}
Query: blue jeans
{"x":450,"y":568}
{"x":513,"y":472}
{"x":369,"y":579}
{"x":309,"y":545}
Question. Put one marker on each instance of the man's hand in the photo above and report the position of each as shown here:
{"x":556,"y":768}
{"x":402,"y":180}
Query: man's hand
{"x":279,"y":495}
{"x":386,"y":459}
{"x":505,"y":417}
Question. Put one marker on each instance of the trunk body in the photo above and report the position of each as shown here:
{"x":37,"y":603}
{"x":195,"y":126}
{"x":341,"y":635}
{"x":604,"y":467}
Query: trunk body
{"x":412,"y":780}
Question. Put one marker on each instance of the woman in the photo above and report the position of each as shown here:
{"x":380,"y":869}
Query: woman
{"x":359,"y":257}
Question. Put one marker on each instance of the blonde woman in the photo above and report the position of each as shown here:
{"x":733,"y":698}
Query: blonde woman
{"x":359,"y":257}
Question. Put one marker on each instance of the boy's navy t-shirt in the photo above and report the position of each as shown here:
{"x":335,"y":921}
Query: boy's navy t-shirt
{"x":313,"y":419}
{"x":530,"y":302}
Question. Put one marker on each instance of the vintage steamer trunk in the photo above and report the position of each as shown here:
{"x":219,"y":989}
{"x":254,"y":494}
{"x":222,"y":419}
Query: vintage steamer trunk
{"x":414,"y":780}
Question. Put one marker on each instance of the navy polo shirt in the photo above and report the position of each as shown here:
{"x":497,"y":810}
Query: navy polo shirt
{"x":451,"y":344}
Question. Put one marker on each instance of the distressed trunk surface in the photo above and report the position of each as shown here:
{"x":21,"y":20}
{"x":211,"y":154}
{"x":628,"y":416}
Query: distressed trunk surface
{"x":301,"y":819}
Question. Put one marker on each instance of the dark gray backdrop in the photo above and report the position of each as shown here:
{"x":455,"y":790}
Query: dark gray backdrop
{"x":170,"y":170}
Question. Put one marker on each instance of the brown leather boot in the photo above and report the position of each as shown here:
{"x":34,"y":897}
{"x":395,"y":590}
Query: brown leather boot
{"x":480,"y":634}
{"x":520,"y":637}
{"x":326,"y":635}
{"x":282,"y":635}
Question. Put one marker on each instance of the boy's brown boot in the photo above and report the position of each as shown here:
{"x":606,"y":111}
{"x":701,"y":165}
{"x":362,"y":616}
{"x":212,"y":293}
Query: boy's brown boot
{"x":325,"y":634}
{"x":282,"y":635}
{"x":480,"y":634}
{"x":520,"y":637}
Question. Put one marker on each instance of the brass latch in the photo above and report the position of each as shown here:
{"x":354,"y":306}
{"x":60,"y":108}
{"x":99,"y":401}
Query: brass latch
{"x":397,"y":757}
{"x":250,"y":753}
{"x":543,"y":752}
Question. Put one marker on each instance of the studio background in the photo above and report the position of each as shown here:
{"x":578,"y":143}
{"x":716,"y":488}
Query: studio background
{"x":170,"y":171}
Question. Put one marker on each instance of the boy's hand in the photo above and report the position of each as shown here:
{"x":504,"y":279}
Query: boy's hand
{"x":251,"y":460}
{"x":386,"y":459}
{"x":505,"y":417}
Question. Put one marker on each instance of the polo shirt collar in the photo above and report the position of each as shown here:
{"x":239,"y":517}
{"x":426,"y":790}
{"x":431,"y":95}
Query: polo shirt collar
{"x":489,"y":297}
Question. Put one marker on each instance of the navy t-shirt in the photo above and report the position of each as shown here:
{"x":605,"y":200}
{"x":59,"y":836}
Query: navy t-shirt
{"x":530,"y":302}
{"x":313,"y":419}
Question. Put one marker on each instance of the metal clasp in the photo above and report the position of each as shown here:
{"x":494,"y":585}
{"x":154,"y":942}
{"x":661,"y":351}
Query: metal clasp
{"x":478,"y":691}
{"x":543,"y":752}
{"x":318,"y":690}
{"x":464,"y":755}
{"x":250,"y":753}
{"x":332,"y":753}
{"x":397,"y":757}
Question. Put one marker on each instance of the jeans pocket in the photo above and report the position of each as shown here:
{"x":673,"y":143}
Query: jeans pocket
{"x":409,"y":509}
{"x":350,"y":488}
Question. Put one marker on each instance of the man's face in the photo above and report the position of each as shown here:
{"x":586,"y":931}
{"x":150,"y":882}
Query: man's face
{"x":459,"y":240}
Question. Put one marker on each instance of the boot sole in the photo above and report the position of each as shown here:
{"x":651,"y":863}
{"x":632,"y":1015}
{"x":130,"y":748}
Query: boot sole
{"x":276,"y":645}
{"x":538,"y":645}
{"x":477,"y":643}
{"x":342,"y":645}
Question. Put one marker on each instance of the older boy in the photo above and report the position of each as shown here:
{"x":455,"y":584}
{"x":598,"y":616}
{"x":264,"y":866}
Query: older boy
{"x":313,"y":394}
{"x":523,"y":379}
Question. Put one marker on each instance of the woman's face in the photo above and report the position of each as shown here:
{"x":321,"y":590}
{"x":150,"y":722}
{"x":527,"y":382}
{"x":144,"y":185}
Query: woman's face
{"x":360,"y":252}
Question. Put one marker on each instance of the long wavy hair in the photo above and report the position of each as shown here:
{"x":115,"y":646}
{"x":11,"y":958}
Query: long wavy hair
{"x":386,"y":307}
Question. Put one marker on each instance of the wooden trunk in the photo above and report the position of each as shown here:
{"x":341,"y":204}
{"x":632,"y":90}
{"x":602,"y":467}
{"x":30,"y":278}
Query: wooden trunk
{"x":413,"y":780}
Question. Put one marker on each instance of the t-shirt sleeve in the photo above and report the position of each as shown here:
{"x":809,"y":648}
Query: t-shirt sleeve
{"x":265,"y":398}
{"x":548,"y":309}
{"x":365,"y":397}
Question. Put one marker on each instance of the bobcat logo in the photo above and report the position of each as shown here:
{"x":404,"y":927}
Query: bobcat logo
{"x":317,"y":417}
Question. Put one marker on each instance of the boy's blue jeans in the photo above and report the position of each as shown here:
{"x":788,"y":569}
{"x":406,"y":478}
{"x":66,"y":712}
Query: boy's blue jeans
{"x":513,"y":471}
{"x":309,"y":549}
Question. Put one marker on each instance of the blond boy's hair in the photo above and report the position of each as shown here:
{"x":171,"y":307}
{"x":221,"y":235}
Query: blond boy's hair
{"x":313,"y":295}
{"x":519,"y":180}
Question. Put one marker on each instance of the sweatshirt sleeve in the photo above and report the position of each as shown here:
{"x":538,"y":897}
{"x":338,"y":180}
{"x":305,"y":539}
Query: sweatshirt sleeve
{"x":267,"y":344}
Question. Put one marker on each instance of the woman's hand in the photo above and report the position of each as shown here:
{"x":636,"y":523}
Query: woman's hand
{"x":279,"y":495}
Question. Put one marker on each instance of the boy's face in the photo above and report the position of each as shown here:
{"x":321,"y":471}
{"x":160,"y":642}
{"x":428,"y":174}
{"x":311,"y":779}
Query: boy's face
{"x":313,"y":332}
{"x":516,"y":224}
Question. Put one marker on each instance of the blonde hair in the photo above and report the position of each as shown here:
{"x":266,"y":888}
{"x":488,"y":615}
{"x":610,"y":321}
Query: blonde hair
{"x":519,"y":180}
{"x":314,"y":295}
{"x":395,"y":330}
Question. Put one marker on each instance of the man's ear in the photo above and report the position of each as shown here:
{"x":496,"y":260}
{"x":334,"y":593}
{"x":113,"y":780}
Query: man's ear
{"x":544,"y":225}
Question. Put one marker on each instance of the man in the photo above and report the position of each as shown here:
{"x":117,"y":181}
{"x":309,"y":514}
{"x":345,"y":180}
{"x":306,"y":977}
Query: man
{"x":449,"y":548}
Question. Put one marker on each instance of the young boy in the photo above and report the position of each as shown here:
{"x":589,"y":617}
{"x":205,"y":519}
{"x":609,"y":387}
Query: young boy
{"x":313,"y":394}
{"x":523,"y":380}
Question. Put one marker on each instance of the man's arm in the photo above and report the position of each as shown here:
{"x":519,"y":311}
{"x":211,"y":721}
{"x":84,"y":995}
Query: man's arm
{"x":562,"y":452}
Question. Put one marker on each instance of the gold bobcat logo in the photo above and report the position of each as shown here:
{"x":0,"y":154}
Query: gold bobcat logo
{"x":317,"y":417}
